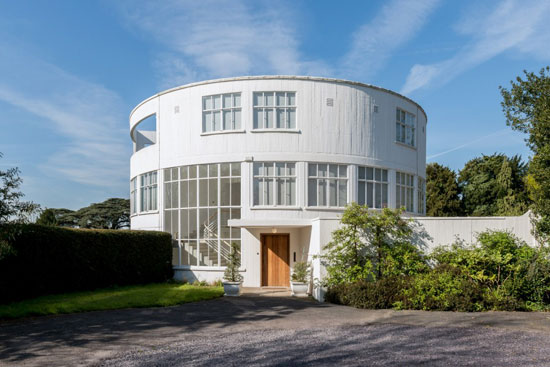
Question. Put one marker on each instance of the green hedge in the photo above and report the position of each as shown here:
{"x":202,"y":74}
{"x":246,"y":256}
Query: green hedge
{"x":37,"y":260}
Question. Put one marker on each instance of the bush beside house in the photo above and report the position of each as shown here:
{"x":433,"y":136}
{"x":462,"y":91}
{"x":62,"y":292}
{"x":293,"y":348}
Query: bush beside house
{"x":498,"y":273}
{"x":37,"y":260}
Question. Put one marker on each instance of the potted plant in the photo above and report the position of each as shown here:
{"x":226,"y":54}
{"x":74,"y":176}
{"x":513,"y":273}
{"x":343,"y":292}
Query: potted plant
{"x":233,"y":279}
{"x":300,"y":277}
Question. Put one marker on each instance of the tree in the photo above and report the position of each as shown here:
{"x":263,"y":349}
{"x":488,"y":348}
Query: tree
{"x":442,"y":192}
{"x":494,"y":185}
{"x":47,"y":218}
{"x":526,"y":106}
{"x":367,"y":245}
{"x":11,"y":206}
{"x":113,"y":213}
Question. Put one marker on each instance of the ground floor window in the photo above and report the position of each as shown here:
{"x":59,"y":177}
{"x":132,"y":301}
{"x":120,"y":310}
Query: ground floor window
{"x":372,"y":187}
{"x":421,"y":196}
{"x":327,"y":185}
{"x":404,"y":188}
{"x":199,"y":200}
{"x":274,"y":184}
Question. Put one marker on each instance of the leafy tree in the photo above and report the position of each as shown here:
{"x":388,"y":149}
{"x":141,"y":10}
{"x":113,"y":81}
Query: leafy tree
{"x":113,"y":213}
{"x":494,"y":185}
{"x":527,"y":108}
{"x":442,"y":192}
{"x":369,"y":245}
{"x":47,"y":218}
{"x":11,"y":206}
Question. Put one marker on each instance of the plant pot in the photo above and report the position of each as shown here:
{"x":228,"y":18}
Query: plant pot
{"x":232,"y":289}
{"x":299,"y":289}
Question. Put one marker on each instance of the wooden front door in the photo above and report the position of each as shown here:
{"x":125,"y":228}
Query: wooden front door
{"x":275,"y":260}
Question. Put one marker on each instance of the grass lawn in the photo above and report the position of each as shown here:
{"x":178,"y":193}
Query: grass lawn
{"x":150,"y":295}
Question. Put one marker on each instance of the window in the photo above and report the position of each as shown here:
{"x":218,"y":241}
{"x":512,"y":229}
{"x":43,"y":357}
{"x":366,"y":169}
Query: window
{"x":199,"y":201}
{"x":421,"y":196}
{"x":133,"y":195}
{"x":274,"y":110}
{"x":274,"y":184}
{"x":221,"y":112}
{"x":405,"y":127}
{"x":148,"y":191}
{"x":404,"y":191}
{"x":372,"y":187}
{"x":327,"y":185}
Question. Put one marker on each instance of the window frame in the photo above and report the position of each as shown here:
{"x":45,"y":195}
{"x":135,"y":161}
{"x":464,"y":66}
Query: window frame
{"x":409,"y":191}
{"x":421,"y":192}
{"x":151,"y":191}
{"x":384,"y":172}
{"x":327,"y":178}
{"x":275,"y":108}
{"x":402,"y":127}
{"x":222,"y":110}
{"x":274,"y":180}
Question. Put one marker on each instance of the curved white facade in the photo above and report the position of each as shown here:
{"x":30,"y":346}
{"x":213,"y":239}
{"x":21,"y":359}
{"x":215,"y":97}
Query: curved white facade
{"x":284,"y":153}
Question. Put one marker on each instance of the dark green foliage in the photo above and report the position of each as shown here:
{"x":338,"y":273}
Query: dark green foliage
{"x":442,"y":192}
{"x":37,"y":260}
{"x":231,"y":273}
{"x":47,"y":218}
{"x":301,"y":272}
{"x":12,"y":209}
{"x":113,"y":213}
{"x":384,"y":293}
{"x":494,"y":185}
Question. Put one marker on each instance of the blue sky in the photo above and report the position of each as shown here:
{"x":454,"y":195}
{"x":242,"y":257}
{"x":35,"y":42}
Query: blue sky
{"x":71,"y":71}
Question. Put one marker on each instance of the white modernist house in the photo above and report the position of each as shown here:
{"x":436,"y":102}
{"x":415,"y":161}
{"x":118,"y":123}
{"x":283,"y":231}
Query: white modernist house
{"x":269,"y":162}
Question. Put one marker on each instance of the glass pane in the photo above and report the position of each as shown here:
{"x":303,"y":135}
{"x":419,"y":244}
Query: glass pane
{"x":269,"y":99}
{"x":370,"y":174}
{"x":212,"y":227}
{"x":333,"y":198}
{"x":227,"y":101}
{"x":224,"y":168}
{"x":258,"y":169}
{"x":361,"y":193}
{"x":370,"y":193}
{"x":291,"y":169}
{"x":236,"y":191}
{"x":216,"y":121}
{"x":342,"y":192}
{"x":225,"y":191}
{"x":378,"y":195}
{"x":167,"y":175}
{"x":225,"y":214}
{"x":312,"y":192}
{"x":257,"y":190}
{"x":225,"y":251}
{"x":291,"y":99}
{"x":213,"y":170}
{"x":235,"y":231}
{"x":281,"y":99}
{"x":281,"y":118}
{"x":216,"y":102}
{"x":384,"y":175}
{"x":384,"y":195}
{"x":203,"y":170}
{"x":237,"y":100}
{"x":236,"y":169}
{"x":258,"y":99}
{"x":168,"y":221}
{"x":269,"y":119}
{"x":175,"y":198}
{"x":227,"y":124}
{"x":322,"y":172}
{"x":189,"y":253}
{"x":192,"y":171}
{"x":378,"y":174}
{"x":193,"y":223}
{"x":312,"y":169}
{"x":397,"y":114}
{"x":269,"y":170}
{"x":183,"y":172}
{"x":280,"y":169}
{"x":203,"y":192}
{"x":175,"y":224}
{"x":206,"y":122}
{"x":175,"y":253}
{"x":322,"y":192}
{"x":167,"y":195}
{"x":203,"y":222}
{"x":280,"y":185}
{"x":361,"y":173}
{"x":258,"y":118}
{"x":236,"y":119}
{"x":270,"y":195}
{"x":206,"y":103}
{"x":184,"y":223}
{"x":213,"y":192}
{"x":192,"y":193}
{"x":291,"y":192}
{"x":291,"y":118}
{"x":333,"y":170}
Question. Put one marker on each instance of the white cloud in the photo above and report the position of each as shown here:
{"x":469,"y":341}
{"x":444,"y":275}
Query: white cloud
{"x":208,"y":39}
{"x":86,"y":114}
{"x":373,"y":43}
{"x":513,"y":25}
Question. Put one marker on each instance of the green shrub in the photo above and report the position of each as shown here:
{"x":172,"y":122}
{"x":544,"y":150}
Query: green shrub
{"x":300,"y":272}
{"x":384,"y":293}
{"x":37,"y":260}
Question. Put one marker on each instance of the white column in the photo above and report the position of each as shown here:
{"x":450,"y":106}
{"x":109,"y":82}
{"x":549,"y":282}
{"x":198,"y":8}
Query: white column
{"x":391,"y":188}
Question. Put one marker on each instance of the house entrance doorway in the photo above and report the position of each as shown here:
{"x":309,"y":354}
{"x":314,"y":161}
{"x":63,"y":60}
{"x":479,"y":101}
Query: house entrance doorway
{"x":275,"y":260}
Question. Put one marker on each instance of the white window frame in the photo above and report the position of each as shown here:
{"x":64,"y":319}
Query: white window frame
{"x":133,"y":196}
{"x":261,"y":107}
{"x":405,"y":127}
{"x":273,"y":180}
{"x":378,"y":178}
{"x":232,"y":110}
{"x":148,"y":192}
{"x":342,"y":176}
{"x":404,"y":182}
{"x":421,"y":190}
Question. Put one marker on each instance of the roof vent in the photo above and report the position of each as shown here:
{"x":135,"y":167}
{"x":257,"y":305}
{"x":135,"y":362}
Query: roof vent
{"x":330,"y":102}
{"x":375,"y":108}
{"x":176,"y":109}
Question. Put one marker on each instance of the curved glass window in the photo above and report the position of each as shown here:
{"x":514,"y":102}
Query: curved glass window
{"x":404,"y":188}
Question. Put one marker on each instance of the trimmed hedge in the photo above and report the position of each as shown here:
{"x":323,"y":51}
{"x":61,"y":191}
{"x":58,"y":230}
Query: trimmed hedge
{"x":37,"y":260}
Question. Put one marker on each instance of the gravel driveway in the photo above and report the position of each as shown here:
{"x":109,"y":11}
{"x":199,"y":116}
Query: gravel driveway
{"x":277,"y":331}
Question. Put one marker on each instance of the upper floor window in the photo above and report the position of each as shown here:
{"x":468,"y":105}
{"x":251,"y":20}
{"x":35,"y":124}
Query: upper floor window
{"x":148,"y":191}
{"x":221,"y":112}
{"x":133,"y":195}
{"x":373,"y":187}
{"x":405,"y":127}
{"x":404,"y":188}
{"x":327,"y":185}
{"x":274,"y":110}
{"x":274,"y":183}
{"x":421,"y":196}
